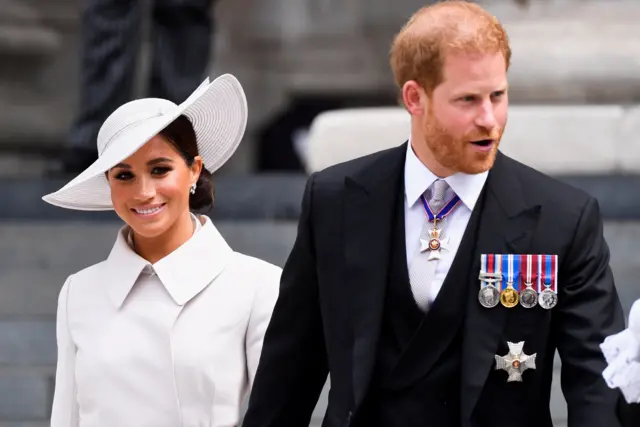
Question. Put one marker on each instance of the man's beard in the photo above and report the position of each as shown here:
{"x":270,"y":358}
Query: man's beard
{"x":458,"y":154}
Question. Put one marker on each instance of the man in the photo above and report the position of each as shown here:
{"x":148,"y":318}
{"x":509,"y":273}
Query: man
{"x":180,"y":44}
{"x":387,"y":302}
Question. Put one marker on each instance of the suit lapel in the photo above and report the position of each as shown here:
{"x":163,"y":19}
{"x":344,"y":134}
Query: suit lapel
{"x":370,"y":197}
{"x":507,"y":225}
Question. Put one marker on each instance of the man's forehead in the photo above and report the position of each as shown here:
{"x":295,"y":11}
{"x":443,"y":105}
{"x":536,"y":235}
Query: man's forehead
{"x":467,"y":68}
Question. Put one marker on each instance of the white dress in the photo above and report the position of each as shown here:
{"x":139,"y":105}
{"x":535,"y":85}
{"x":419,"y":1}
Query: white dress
{"x":168,"y":345}
{"x":622,"y":352}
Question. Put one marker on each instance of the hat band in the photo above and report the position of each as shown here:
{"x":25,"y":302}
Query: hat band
{"x":130,"y":125}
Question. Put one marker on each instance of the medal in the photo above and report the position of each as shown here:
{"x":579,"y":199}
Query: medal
{"x":489,"y":295}
{"x":529,"y":296}
{"x":436,"y":242}
{"x":515,"y":362}
{"x":509,"y":296}
{"x":548,"y":277}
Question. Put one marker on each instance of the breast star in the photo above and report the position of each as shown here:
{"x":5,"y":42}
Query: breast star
{"x":515,"y":362}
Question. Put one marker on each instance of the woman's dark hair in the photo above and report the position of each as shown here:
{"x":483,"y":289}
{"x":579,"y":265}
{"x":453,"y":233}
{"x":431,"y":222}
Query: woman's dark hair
{"x":181,"y":135}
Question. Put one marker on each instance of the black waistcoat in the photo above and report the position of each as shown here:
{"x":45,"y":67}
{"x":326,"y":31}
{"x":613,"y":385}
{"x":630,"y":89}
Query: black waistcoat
{"x":416,"y":379}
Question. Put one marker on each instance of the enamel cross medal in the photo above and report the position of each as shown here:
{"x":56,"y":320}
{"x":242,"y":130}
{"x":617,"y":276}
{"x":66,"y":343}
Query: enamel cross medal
{"x":515,"y":362}
{"x":436,"y":241}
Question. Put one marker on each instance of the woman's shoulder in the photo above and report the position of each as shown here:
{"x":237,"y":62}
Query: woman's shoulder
{"x":86,"y":279}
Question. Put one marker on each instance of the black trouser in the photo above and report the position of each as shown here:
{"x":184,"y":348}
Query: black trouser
{"x":181,"y":43}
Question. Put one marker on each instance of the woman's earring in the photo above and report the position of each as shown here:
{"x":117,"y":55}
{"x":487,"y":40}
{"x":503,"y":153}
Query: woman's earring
{"x":193,"y":188}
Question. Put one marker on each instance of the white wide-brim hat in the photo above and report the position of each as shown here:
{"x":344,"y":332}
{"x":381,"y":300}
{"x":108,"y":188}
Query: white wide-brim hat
{"x":217,"y":111}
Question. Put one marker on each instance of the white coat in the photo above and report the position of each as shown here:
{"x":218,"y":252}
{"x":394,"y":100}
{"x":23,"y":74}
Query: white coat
{"x":173,"y":344}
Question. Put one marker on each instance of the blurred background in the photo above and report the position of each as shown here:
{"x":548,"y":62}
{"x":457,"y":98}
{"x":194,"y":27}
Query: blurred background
{"x":575,"y":96}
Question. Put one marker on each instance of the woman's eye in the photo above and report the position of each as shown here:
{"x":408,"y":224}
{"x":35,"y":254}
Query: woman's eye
{"x":160,"y":170}
{"x":123,"y":176}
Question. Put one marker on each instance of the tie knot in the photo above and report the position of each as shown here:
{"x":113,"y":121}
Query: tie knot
{"x":438,"y":190}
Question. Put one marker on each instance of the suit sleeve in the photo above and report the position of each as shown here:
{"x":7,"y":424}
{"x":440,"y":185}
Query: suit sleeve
{"x":64,"y":412}
{"x":588,"y":311}
{"x":293,"y":365}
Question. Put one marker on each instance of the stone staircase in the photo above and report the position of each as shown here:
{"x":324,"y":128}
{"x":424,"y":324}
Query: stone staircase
{"x":575,"y":61}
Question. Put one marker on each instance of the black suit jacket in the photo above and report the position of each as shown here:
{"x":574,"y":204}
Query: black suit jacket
{"x":328,"y":314}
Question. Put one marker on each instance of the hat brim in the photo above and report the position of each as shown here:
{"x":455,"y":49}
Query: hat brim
{"x":218,"y":113}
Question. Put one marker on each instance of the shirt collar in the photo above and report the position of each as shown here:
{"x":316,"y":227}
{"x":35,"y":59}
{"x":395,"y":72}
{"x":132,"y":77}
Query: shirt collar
{"x":418,"y":178}
{"x":184,"y":273}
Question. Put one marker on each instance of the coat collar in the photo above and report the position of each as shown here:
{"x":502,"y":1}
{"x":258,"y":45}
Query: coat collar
{"x":184,"y":273}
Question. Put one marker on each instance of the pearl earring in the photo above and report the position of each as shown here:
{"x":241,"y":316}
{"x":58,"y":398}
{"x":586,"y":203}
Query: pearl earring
{"x":193,"y":188}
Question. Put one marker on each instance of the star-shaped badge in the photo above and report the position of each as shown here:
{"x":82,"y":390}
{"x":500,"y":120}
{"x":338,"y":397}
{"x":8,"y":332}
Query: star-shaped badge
{"x":515,"y":362}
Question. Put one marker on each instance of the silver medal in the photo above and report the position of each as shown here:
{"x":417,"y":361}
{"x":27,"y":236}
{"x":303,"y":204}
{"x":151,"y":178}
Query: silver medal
{"x":528,"y":297}
{"x":489,"y":296}
{"x":548,"y":299}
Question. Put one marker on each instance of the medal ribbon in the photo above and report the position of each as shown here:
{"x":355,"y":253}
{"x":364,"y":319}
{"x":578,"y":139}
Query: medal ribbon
{"x":483,"y":268}
{"x":540,"y":280}
{"x":446,"y":209}
{"x":488,"y":266}
{"x":529,"y":267}
{"x":554,"y":281}
{"x":498,"y":268}
{"x":511,"y":264}
{"x":550,"y":279}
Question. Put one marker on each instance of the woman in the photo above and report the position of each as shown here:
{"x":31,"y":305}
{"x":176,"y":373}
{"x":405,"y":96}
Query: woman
{"x":168,"y":330}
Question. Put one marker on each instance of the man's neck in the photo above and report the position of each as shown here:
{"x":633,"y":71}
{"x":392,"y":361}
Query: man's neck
{"x":425,"y":156}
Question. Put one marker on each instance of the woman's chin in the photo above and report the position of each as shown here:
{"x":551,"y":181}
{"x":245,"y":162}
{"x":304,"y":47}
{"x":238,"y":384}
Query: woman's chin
{"x":147,"y":229}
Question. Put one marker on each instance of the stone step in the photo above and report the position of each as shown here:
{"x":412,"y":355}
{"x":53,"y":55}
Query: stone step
{"x":22,"y":33}
{"x":28,"y":344}
{"x":25,"y":396}
{"x":19,"y":41}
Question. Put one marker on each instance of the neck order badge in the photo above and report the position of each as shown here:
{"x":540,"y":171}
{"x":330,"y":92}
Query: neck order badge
{"x":436,"y":242}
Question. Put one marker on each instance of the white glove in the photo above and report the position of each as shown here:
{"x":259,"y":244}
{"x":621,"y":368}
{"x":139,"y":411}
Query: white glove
{"x":622,"y":353}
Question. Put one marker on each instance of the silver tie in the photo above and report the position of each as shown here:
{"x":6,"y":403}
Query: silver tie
{"x":422,"y":271}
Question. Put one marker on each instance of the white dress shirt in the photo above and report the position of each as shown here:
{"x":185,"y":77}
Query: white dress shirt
{"x":417,"y":179}
{"x":176,"y":343}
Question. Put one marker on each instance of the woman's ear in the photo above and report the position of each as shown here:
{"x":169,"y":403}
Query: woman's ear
{"x":196,"y":168}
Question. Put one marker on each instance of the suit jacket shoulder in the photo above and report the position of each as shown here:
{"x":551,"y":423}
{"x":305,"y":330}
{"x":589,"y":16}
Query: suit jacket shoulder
{"x":336,"y":174}
{"x":540,"y":189}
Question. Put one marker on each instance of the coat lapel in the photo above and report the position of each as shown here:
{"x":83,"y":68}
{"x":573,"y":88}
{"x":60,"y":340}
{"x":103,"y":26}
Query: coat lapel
{"x":507,"y":225}
{"x":370,"y":198}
